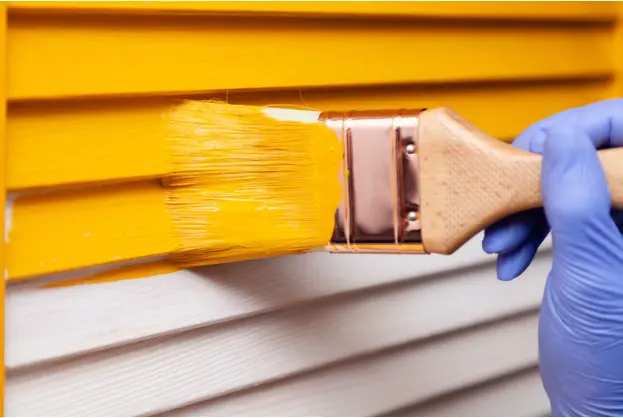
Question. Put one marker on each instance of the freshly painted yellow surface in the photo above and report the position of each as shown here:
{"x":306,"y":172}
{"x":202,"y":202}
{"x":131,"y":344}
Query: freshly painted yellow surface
{"x":72,"y":56}
{"x":62,"y":143}
{"x":57,"y":143}
{"x":244,"y":185}
{"x":578,"y":11}
{"x":92,"y":81}
{"x":82,"y":228}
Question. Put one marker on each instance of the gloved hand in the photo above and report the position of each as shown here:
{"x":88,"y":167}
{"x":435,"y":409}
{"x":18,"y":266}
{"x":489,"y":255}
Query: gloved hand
{"x":581,"y":323}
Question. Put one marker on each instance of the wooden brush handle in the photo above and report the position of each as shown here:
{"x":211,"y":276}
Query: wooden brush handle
{"x":469,"y":179}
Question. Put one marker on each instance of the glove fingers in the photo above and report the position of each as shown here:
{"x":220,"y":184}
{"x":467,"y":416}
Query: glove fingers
{"x":575,"y":191}
{"x":602,"y":122}
{"x":533,"y":138}
{"x":509,"y":233}
{"x":588,"y":248}
{"x":514,"y":263}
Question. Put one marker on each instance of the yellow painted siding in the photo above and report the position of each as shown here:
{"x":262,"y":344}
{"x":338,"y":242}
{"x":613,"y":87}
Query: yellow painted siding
{"x":75,"y":56}
{"x":90,"y":84}
{"x":75,"y":141}
{"x":86,"y":228}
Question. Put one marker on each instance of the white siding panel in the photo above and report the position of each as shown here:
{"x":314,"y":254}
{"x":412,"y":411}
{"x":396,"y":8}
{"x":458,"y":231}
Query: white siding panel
{"x":373,"y":385}
{"x":51,"y":323}
{"x":519,"y":394}
{"x":435,"y":295}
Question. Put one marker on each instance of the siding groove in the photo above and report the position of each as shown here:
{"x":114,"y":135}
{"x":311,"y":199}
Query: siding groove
{"x":512,"y":394}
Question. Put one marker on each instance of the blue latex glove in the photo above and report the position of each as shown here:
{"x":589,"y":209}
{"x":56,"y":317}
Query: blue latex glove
{"x":581,"y":323}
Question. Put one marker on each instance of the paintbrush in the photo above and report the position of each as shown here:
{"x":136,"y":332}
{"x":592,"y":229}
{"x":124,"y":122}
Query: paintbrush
{"x":250,"y":182}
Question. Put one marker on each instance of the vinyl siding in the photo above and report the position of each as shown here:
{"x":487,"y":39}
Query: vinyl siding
{"x":336,"y":329}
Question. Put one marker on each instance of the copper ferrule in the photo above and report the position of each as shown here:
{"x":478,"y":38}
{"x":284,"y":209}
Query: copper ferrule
{"x":380,"y":207}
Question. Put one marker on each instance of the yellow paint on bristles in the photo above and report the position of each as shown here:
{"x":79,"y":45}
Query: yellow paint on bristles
{"x":243,"y":185}
{"x":247,"y":185}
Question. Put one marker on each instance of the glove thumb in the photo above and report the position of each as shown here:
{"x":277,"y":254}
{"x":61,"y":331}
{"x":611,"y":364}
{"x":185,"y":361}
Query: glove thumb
{"x":576,"y":196}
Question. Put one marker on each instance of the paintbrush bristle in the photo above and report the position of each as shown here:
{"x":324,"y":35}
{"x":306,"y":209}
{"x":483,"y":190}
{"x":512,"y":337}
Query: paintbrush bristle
{"x":246,"y":185}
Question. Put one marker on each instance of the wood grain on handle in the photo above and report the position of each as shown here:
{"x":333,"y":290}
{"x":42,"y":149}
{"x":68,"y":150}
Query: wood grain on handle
{"x":469,"y":179}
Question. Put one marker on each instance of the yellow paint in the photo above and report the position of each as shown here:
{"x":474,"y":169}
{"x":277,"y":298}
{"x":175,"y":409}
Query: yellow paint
{"x":58,"y":143}
{"x":575,"y":11}
{"x":86,"y":56}
{"x":248,"y":185}
{"x":81,"y":228}
{"x":244,"y":185}
{"x":3,"y":159}
{"x":132,"y":272}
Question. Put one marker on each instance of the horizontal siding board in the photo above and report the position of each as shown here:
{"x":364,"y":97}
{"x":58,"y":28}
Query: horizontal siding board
{"x":95,"y":56}
{"x":88,"y":227}
{"x":385,"y":381}
{"x":75,"y":229}
{"x":68,"y":142}
{"x":518,"y":394}
{"x":577,"y":11}
{"x":208,"y":362}
{"x":40,"y":328}
{"x":58,"y":143}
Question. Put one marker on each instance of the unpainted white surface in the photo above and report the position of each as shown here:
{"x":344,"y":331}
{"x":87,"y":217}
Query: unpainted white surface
{"x":317,"y":334}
